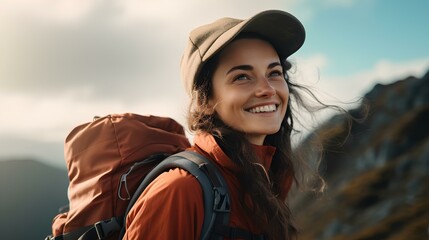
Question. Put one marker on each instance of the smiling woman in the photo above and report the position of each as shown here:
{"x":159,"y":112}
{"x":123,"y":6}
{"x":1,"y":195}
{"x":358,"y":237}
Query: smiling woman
{"x":250,"y":93}
{"x":235,"y":72}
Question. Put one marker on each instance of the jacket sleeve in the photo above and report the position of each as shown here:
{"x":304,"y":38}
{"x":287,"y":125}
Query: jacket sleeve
{"x":171,"y":207}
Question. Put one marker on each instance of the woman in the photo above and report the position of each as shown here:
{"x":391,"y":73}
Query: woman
{"x":236,"y":74}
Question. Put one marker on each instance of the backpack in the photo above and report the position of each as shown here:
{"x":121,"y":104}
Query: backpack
{"x":112,"y":159}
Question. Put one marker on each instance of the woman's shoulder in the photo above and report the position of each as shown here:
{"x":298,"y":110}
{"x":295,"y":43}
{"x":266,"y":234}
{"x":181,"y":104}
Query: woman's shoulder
{"x":173,"y":182}
{"x":172,"y":201}
{"x":173,"y":189}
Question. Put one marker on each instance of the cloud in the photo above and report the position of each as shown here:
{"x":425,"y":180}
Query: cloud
{"x":307,"y":70}
{"x":114,"y":49}
{"x":110,"y":60}
{"x":62,"y":59}
{"x":13,"y":147}
{"x":384,"y":72}
{"x":344,"y":91}
{"x":51,"y":118}
{"x":349,"y":88}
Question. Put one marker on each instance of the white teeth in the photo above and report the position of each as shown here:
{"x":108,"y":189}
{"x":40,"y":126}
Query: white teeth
{"x":266,"y":108}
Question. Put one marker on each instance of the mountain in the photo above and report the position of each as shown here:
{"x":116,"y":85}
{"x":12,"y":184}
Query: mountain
{"x":378,"y":176}
{"x":31,"y":194}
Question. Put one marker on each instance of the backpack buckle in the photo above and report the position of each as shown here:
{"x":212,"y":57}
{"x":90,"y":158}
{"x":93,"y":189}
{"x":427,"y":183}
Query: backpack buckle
{"x":106,"y":227}
{"x":221,"y":200}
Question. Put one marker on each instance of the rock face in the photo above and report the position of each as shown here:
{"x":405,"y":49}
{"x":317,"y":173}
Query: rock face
{"x":378,"y":179}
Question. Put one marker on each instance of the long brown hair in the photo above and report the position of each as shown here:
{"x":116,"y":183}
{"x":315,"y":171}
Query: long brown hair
{"x":268,"y":209}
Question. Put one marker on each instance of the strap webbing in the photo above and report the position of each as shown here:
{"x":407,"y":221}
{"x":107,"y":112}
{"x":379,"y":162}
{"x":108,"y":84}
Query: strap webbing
{"x":103,"y":229}
{"x":99,"y":230}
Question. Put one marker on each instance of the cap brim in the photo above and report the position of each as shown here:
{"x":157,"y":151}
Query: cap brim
{"x":283,"y":30}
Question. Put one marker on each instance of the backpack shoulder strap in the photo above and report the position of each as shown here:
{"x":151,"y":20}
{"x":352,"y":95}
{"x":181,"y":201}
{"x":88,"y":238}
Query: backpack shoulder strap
{"x":216,"y":226}
{"x":214,"y":187}
{"x":217,"y":205}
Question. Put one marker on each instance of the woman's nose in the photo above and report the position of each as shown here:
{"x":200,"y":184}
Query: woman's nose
{"x":265,"y":88}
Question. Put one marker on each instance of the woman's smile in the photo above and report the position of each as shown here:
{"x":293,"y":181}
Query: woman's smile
{"x":269,"y":108}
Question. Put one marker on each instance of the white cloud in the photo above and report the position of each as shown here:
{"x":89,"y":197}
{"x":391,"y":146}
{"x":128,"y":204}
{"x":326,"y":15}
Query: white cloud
{"x":41,"y":57}
{"x":384,"y":72}
{"x":347,"y":88}
{"x":307,"y":70}
{"x":194,"y":11}
{"x":115,"y":48}
{"x":50,"y":119}
{"x":48,"y":9}
{"x":347,"y":91}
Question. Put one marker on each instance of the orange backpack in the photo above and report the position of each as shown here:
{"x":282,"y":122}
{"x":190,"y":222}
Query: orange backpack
{"x":108,"y":159}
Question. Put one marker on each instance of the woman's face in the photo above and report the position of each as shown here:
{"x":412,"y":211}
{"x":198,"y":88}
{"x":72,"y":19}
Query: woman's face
{"x":250,"y":93}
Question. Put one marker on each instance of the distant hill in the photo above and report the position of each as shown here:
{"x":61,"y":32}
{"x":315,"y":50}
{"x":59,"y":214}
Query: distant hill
{"x":378,"y":180}
{"x":30,"y":195}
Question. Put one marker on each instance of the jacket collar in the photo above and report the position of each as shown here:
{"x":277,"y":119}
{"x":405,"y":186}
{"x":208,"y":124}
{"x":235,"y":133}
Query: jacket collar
{"x":208,"y":144}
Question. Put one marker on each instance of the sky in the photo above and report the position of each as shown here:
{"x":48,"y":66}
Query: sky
{"x":64,"y":61}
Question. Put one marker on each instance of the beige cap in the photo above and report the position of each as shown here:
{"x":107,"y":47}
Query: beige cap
{"x":283,"y":30}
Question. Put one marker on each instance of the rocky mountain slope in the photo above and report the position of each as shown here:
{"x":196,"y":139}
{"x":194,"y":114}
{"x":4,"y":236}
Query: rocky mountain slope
{"x":378,"y":179}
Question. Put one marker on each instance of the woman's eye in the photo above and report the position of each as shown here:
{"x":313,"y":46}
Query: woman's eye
{"x":241,"y":77}
{"x":276,"y":73}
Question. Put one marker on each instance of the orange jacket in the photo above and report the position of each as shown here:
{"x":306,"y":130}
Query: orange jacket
{"x":172,"y":205}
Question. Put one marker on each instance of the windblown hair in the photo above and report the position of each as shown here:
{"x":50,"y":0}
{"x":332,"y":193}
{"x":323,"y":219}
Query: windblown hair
{"x":268,"y":208}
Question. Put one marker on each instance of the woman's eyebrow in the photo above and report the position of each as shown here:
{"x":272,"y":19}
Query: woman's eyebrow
{"x":249,"y":67}
{"x":240,"y":67}
{"x":274,"y":64}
